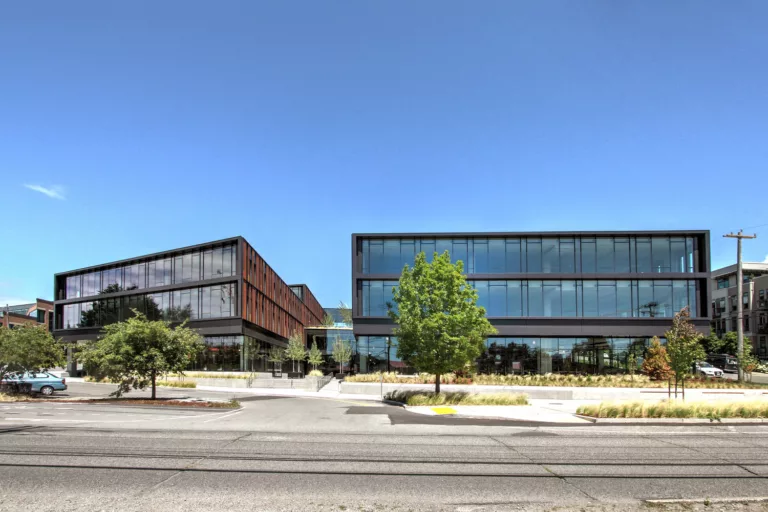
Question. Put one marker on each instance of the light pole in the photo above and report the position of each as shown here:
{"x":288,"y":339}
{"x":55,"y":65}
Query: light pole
{"x":739,"y":300}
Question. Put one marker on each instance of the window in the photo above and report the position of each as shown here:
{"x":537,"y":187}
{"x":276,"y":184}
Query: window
{"x":588,"y":256}
{"x":678,"y":255}
{"x":480,"y":257}
{"x":513,"y":256}
{"x":643,"y":248}
{"x":590,"y":299}
{"x":496,"y":256}
{"x":621,"y":254}
{"x":569,"y":298}
{"x":604,"y":255}
{"x":497,"y":305}
{"x":567,"y":255}
{"x":550,"y":255}
{"x":514,"y":299}
{"x":552,"y":297}
{"x":535,"y":299}
{"x":722,"y":282}
{"x":533,"y":257}
{"x":660,"y":253}
{"x":606,"y":297}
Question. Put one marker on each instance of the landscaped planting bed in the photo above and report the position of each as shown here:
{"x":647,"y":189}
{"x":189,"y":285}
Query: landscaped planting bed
{"x":456,"y":398}
{"x":552,"y":379}
{"x":677,"y":409}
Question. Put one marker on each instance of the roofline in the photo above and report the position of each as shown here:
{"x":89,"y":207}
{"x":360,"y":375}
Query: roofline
{"x":731,"y":269}
{"x":489,"y":234}
{"x":137,"y":259}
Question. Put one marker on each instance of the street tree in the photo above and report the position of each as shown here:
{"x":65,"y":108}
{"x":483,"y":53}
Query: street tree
{"x":276,"y":356}
{"x":296,"y":351}
{"x":656,"y":362}
{"x":29,"y":348}
{"x":328,"y":320}
{"x":314,"y":356}
{"x":440,"y":327}
{"x":133,"y":353}
{"x":341,"y":353}
{"x":346,"y":313}
{"x":683,"y":346}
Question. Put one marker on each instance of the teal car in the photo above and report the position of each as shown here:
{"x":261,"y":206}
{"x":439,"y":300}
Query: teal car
{"x":38,"y":382}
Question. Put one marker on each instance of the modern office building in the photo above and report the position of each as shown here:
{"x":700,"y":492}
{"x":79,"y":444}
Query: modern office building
{"x":561,"y":302}
{"x":754,"y":299}
{"x":39,"y":312}
{"x":224,"y":289}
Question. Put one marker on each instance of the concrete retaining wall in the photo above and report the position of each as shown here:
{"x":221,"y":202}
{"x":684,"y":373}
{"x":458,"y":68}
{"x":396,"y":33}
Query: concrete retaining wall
{"x":558,"y":393}
{"x":307,"y":383}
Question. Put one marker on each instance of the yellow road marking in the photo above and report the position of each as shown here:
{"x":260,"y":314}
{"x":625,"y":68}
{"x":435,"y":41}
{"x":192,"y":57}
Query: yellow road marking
{"x":444,"y":410}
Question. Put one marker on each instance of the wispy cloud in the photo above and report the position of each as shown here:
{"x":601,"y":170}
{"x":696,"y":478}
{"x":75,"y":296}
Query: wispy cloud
{"x":54,"y":191}
{"x":766,"y":259}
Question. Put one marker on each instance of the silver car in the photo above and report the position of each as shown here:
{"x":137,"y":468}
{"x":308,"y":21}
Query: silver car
{"x":705,"y":369}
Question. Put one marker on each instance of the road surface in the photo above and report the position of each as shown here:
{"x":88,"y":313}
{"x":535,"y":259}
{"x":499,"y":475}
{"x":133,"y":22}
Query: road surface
{"x":308,"y":454}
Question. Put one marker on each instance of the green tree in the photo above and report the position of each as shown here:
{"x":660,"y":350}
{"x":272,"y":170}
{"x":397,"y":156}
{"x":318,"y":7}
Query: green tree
{"x":711,"y":344}
{"x":730,"y":343}
{"x":346,"y":313}
{"x":276,"y":356}
{"x":296,"y":350}
{"x":29,"y":347}
{"x":328,"y":320}
{"x":133,"y":353}
{"x":656,"y":362}
{"x":341,"y":353}
{"x":440,"y":327}
{"x":314,"y":356}
{"x":747,"y":360}
{"x":683,"y":346}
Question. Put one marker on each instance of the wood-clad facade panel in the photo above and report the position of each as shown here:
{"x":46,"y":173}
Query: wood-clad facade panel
{"x":268,"y":302}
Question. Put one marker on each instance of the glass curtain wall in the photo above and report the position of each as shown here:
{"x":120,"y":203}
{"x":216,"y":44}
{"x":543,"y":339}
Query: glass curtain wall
{"x":562,"y":298}
{"x":533,"y":254}
{"x":218,"y":301}
{"x":189,"y":267}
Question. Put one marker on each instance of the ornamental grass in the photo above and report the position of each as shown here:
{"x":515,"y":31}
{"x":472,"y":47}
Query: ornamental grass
{"x":457,"y":398}
{"x":756,"y":409}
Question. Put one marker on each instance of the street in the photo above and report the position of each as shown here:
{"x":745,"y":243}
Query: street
{"x":281,"y":453}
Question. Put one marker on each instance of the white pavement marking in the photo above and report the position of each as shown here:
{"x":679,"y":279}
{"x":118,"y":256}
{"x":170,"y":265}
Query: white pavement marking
{"x":224,"y":416}
{"x":757,"y":499}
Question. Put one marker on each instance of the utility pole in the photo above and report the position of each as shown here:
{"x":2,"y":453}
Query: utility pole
{"x":739,"y":300}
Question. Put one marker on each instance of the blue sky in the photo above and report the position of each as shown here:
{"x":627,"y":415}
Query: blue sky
{"x":151,"y":125}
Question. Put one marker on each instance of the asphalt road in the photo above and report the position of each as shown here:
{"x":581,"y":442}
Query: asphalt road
{"x":316,"y":454}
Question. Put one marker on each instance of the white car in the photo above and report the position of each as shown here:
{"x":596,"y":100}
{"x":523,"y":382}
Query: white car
{"x":707,"y":370}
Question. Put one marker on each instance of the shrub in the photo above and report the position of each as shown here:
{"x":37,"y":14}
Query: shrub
{"x":673,"y":409}
{"x":177,"y":383}
{"x":315,"y":373}
{"x":656,"y":363}
{"x":457,"y":398}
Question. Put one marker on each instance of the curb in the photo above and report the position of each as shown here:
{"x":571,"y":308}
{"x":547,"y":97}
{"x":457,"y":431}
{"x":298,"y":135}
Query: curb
{"x":680,"y":421}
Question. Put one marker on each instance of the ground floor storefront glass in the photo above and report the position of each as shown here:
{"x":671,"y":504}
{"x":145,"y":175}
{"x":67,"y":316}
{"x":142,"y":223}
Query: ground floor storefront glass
{"x":232,"y":354}
{"x":503,"y":355}
{"x":561,"y":355}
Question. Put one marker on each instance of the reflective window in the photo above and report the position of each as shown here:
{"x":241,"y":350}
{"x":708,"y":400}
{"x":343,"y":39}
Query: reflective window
{"x":604,"y":248}
{"x":660,"y":253}
{"x":547,"y":255}
{"x":533,"y":256}
{"x":550,"y":255}
{"x":556,"y":298}
{"x":496,"y":256}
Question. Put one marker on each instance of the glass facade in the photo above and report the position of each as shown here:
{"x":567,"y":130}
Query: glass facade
{"x":536,"y":255}
{"x":217,"y":301}
{"x":562,"y":298}
{"x":185,"y":268}
{"x":560,"y":355}
{"x":504,"y":355}
{"x":377,"y":354}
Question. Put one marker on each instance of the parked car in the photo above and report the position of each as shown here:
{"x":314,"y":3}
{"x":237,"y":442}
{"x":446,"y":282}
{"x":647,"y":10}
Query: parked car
{"x":729,"y":364}
{"x":37,"y":382}
{"x":707,"y":370}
